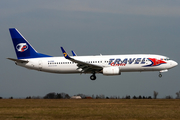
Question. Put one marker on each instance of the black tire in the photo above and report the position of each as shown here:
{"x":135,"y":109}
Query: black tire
{"x":160,"y":75}
{"x":93,"y":77}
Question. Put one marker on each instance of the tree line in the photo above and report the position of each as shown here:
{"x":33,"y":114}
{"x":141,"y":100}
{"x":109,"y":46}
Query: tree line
{"x":53,"y":95}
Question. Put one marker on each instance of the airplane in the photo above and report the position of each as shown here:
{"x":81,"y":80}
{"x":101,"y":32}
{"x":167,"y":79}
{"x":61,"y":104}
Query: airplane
{"x":109,"y":65}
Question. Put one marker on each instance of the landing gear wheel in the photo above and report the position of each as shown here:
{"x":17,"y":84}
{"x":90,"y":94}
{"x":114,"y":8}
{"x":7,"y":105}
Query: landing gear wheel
{"x":160,"y":75}
{"x":93,"y":77}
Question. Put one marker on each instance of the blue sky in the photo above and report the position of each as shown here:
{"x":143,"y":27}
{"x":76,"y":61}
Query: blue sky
{"x":90,"y":27}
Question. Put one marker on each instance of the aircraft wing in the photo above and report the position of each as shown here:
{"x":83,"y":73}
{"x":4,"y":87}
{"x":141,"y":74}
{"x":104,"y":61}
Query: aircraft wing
{"x":17,"y":60}
{"x":86,"y":67}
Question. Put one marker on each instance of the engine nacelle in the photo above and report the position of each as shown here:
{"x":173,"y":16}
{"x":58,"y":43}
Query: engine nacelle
{"x":111,"y":71}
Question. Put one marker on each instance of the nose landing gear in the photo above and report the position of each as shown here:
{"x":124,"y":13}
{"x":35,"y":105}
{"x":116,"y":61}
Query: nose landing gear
{"x":160,"y":75}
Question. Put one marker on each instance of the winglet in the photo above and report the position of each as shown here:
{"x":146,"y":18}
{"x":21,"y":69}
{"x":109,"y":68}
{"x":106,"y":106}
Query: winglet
{"x":65,"y":54}
{"x":73,"y":53}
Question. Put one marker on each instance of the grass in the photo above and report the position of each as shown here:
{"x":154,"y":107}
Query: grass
{"x":93,"y":109}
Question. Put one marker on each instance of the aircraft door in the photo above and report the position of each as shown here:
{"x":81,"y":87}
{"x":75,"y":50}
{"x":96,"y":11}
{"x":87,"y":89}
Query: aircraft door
{"x":40,"y":65}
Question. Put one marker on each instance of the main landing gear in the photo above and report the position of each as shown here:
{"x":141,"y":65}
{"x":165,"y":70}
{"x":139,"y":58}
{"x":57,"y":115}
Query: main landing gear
{"x":93,"y":76}
{"x":160,"y":75}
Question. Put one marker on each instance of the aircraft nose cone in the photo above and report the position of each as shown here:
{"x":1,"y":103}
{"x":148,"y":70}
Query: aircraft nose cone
{"x":174,"y":63}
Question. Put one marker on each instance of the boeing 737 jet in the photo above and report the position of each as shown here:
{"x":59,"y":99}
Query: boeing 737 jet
{"x":29,"y":58}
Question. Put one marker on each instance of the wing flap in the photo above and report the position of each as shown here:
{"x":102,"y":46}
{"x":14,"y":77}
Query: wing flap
{"x":86,"y":67}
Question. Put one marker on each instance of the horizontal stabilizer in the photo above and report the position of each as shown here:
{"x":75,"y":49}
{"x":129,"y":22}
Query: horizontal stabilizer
{"x":17,"y":60}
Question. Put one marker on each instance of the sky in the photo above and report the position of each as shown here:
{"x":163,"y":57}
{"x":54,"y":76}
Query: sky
{"x":90,"y":27}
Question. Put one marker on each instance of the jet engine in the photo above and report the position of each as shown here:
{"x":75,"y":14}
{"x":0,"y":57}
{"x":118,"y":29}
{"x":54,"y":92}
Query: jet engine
{"x":111,"y":71}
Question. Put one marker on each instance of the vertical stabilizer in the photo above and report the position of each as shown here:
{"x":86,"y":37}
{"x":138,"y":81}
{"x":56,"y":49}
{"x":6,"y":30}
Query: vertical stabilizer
{"x":22,"y":47}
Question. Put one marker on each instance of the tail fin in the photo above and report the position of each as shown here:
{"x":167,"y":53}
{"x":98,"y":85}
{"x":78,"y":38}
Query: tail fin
{"x":23,"y":48}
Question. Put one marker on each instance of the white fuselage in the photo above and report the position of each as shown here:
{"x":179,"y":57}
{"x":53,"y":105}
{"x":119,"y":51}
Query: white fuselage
{"x":126,"y":63}
{"x":28,"y":57}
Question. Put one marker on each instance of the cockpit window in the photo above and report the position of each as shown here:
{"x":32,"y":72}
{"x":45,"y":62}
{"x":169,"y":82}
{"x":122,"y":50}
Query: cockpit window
{"x":166,"y":59}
